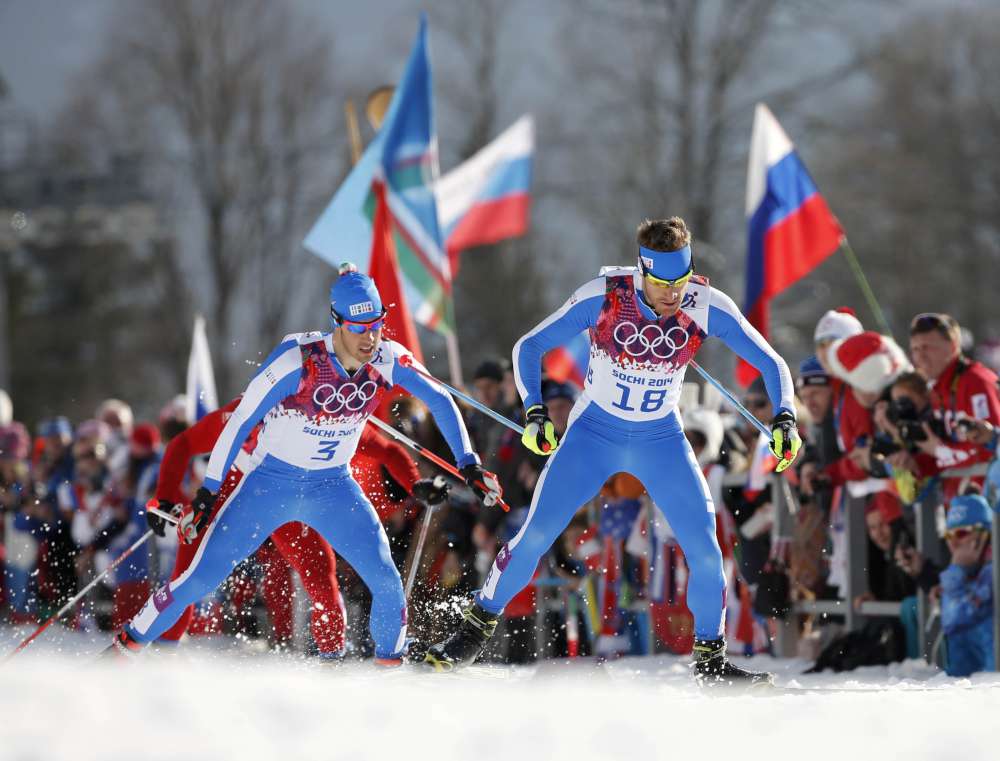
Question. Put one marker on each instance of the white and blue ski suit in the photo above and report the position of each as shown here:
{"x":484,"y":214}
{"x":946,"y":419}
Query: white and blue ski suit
{"x":626,"y":419}
{"x":313,"y":412}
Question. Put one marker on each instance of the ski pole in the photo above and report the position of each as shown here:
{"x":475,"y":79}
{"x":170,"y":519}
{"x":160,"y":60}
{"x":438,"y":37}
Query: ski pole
{"x":407,"y":361}
{"x":732,"y":400}
{"x":411,"y":573}
{"x":421,"y":450}
{"x":69,"y":605}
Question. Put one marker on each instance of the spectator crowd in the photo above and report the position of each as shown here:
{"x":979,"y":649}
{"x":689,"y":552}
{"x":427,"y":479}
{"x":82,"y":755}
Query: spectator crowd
{"x":900,"y":432}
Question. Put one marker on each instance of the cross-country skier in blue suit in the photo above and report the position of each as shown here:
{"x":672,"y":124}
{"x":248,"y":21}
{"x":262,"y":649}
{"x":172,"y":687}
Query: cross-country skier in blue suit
{"x":645,"y":324}
{"x":314,"y":393}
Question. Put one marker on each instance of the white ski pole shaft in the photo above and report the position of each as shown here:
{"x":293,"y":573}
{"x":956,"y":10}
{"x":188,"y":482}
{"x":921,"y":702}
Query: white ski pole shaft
{"x":82,"y":593}
{"x":518,"y":429}
{"x":732,"y":400}
{"x":411,"y":573}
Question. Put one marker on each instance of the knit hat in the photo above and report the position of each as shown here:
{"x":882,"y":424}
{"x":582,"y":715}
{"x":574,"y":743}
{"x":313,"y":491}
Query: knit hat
{"x":969,"y":510}
{"x":145,"y":437}
{"x":811,"y":373}
{"x":94,"y":429}
{"x":354,"y":297}
{"x":886,"y":504}
{"x":490,"y":369}
{"x":14,"y":441}
{"x":56,"y":426}
{"x":554,"y":390}
{"x":868,"y":361}
{"x":709,"y":424}
{"x":837,"y":323}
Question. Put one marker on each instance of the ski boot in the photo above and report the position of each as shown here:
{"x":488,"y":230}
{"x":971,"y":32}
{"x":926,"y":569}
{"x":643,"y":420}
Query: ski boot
{"x":713,"y":669}
{"x":466,"y":643}
{"x":123,"y":646}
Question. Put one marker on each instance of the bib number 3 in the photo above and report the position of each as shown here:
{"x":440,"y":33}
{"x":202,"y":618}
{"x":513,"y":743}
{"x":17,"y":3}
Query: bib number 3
{"x":327,"y":450}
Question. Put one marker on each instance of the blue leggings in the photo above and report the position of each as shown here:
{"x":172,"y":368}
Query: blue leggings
{"x":595,"y":447}
{"x":265,"y":500}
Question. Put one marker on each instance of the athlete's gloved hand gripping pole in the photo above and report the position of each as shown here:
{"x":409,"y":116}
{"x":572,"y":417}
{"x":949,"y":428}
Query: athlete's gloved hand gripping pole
{"x":538,"y":436}
{"x":482,"y":482}
{"x":93,"y":583}
{"x":194,"y":517}
{"x":785,"y":440}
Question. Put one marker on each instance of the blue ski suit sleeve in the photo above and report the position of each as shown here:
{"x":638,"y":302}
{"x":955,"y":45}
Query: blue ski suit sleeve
{"x":726,"y":322}
{"x":965,"y":600}
{"x":442,"y":407}
{"x":277,"y":378}
{"x":579,"y":313}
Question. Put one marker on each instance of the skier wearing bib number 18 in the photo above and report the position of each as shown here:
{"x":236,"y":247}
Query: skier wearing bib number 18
{"x":645,"y":323}
{"x":314,"y":393}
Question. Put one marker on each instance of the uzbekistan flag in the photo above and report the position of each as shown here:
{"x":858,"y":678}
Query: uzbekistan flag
{"x":790,"y":228}
{"x":403,"y":157}
{"x":568,"y":363}
{"x":488,"y":198}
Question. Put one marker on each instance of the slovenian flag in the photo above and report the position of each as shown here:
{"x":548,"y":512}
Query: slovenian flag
{"x":488,"y":198}
{"x":568,"y":363}
{"x":201,"y":395}
{"x":791,"y":229}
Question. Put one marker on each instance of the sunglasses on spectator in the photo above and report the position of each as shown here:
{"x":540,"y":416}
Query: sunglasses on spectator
{"x":961,"y":533}
{"x":664,"y":282}
{"x":360,"y":328}
{"x":756,"y":403}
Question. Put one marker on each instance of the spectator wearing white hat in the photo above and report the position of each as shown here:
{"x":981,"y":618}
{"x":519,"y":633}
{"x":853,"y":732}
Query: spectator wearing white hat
{"x":835,"y":324}
{"x":869,"y":363}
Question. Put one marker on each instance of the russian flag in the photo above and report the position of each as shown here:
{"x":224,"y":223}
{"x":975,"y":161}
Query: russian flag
{"x":568,"y":363}
{"x":487,"y":198}
{"x":201,"y":395}
{"x":791,"y":229}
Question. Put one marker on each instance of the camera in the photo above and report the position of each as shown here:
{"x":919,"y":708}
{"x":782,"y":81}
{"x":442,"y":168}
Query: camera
{"x":910,"y":421}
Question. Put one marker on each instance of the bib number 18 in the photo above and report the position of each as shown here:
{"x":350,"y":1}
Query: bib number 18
{"x":652,"y":399}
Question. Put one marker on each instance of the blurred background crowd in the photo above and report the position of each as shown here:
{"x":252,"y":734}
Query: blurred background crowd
{"x":171,"y":158}
{"x":900,"y":433}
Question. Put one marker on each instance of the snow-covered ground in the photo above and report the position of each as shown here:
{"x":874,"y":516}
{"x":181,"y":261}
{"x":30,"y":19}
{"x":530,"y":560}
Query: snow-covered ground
{"x":204,"y":702}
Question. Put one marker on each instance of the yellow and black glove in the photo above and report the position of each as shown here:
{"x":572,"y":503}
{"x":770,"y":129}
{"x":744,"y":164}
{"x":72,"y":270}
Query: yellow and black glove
{"x":539,"y":433}
{"x":785,"y":441}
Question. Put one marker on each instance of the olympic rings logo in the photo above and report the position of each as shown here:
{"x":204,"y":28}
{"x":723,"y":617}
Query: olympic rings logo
{"x":651,"y":338}
{"x":350,"y":397}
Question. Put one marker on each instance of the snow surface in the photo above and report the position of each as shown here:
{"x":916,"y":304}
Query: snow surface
{"x":208,"y":701}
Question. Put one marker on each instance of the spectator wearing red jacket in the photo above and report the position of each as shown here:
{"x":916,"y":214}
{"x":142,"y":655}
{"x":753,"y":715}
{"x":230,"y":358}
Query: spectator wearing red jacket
{"x":868,"y":363}
{"x":961,"y":388}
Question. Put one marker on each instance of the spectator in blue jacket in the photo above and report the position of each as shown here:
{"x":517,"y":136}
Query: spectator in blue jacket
{"x":967,"y":587}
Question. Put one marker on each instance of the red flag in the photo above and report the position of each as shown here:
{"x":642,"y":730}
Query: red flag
{"x":384,"y":270}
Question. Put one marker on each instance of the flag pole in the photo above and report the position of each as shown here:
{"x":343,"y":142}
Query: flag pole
{"x":866,"y":289}
{"x":454,"y":362}
{"x":351,"y":115}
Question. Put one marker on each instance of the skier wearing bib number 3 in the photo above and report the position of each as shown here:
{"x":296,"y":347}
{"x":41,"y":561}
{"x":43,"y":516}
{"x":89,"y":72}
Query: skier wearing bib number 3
{"x":314,"y":394}
{"x":645,"y":323}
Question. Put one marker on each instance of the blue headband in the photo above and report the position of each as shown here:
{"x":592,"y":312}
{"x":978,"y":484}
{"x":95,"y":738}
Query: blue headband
{"x":667,"y":265}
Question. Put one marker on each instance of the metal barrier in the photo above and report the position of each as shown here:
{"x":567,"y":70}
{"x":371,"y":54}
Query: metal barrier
{"x":928,"y":544}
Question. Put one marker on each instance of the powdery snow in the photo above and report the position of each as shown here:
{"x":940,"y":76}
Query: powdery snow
{"x":206,"y":702}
